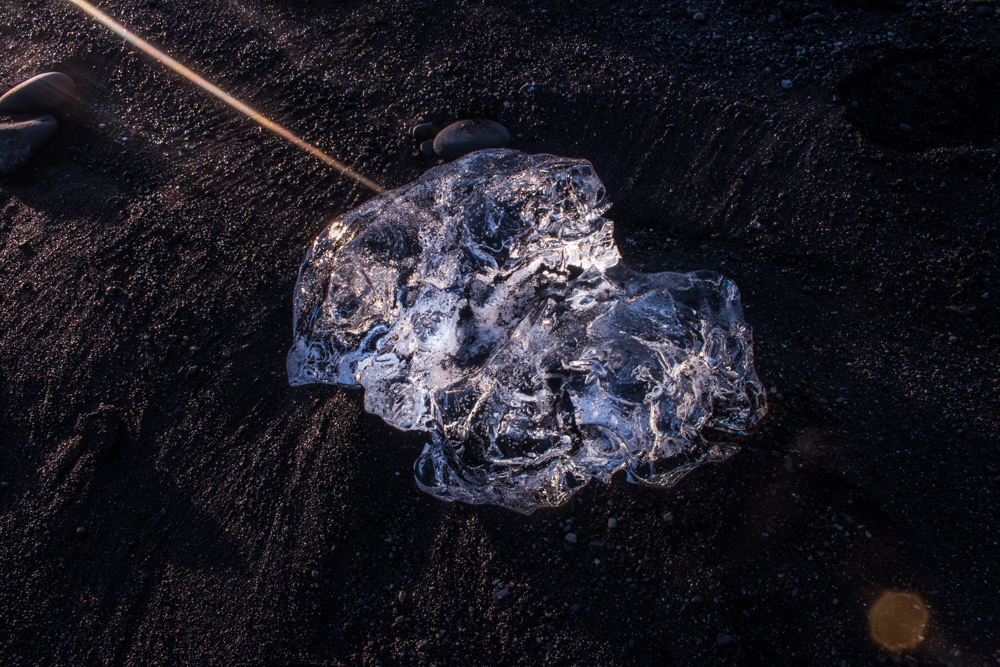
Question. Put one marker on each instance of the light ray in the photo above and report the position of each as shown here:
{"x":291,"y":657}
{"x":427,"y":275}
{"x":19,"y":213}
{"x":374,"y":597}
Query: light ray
{"x":207,"y":86}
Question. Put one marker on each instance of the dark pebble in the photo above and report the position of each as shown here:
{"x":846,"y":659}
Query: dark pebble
{"x":699,"y":17}
{"x":425,"y":131}
{"x":51,"y":91}
{"x":19,"y":142}
{"x":427,"y":148}
{"x":466,"y":136}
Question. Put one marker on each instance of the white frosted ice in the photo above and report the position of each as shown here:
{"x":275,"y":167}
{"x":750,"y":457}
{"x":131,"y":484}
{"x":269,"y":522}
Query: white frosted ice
{"x":487,"y":305}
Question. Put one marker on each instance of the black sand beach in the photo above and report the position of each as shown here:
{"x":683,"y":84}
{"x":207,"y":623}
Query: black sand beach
{"x":168,"y":499}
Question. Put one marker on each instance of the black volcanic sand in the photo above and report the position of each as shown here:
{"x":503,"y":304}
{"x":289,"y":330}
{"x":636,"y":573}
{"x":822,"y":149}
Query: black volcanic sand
{"x":170,"y":500}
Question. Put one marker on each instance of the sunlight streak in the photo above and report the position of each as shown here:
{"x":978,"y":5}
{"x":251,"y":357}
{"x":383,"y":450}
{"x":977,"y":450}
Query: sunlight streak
{"x":263,"y":120}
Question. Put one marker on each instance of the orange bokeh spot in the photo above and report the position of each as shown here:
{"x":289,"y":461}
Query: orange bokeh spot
{"x":898,"y":621}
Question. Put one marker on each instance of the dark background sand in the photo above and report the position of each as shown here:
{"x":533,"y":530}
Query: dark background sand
{"x":146,"y":271}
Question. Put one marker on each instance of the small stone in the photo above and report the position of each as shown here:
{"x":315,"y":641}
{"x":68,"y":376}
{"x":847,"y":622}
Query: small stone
{"x":501,"y":594}
{"x":772,"y":18}
{"x":699,"y":17}
{"x":612,"y":523}
{"x":51,"y":91}
{"x":314,"y":574}
{"x":789,"y":37}
{"x":787,"y":462}
{"x":812,"y":18}
{"x":401,"y":597}
{"x":427,"y":148}
{"x":722,"y":639}
{"x":425,"y":131}
{"x":466,"y":136}
{"x":786,"y":83}
{"x":571,"y":538}
{"x":696,"y":599}
{"x":19,"y":142}
{"x":756,"y":226}
{"x":669,"y":517}
{"x":81,"y":530}
{"x":904,"y":127}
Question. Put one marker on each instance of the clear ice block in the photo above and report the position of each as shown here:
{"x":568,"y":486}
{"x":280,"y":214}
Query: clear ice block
{"x":486,"y":304}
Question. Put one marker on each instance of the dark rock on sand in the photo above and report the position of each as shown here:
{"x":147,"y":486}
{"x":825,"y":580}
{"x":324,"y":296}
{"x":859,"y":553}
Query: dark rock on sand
{"x":427,"y":147}
{"x":51,"y":91}
{"x":425,"y":131}
{"x":19,"y":142}
{"x":466,"y":136}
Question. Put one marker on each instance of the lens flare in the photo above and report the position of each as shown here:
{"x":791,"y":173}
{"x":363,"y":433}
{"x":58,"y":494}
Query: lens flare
{"x":898,"y":621}
{"x":263,"y":120}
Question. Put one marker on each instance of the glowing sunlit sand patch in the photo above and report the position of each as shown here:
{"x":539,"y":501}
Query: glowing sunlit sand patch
{"x":898,"y":621}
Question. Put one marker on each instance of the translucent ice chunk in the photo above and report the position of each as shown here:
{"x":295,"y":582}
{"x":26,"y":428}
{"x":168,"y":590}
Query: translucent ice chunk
{"x":487,"y":305}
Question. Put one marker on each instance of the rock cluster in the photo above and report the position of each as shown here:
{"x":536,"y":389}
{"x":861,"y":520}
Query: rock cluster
{"x":461,"y":138}
{"x":47,"y":93}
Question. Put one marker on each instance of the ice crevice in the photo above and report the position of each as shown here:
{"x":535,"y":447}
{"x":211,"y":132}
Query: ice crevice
{"x":487,"y":305}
